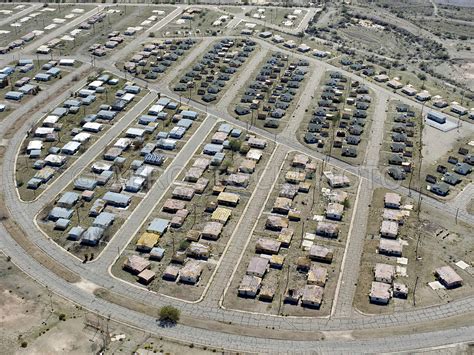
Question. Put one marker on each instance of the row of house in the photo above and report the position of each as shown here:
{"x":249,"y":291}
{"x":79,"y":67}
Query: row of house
{"x":156,"y":57}
{"x":209,"y":75}
{"x":61,"y":143}
{"x":273,"y":90}
{"x":345,"y":103}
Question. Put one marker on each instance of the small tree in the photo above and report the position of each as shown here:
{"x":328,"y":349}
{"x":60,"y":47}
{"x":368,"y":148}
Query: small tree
{"x":169,"y":315}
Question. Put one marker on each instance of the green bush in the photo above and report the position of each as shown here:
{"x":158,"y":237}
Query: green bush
{"x":169,"y":314}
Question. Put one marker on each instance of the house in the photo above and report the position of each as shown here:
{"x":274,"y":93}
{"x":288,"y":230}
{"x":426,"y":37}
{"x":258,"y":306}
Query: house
{"x":392,"y":200}
{"x":321,"y":254}
{"x":379,"y":293}
{"x":228,"y":199}
{"x":158,"y":226}
{"x":68,"y":199}
{"x":288,"y":191}
{"x":238,"y":180}
{"x":157,"y":253}
{"x":249,"y":286}
{"x":92,"y":236}
{"x":326,"y":229}
{"x":104,"y":220}
{"x":135,"y":264}
{"x":312,"y":296}
{"x":317,"y":276}
{"x":282,"y":205}
{"x":440,"y":189}
{"x":75,"y":233}
{"x":462,"y":168}
{"x":334,"y":211}
{"x":198,"y":251}
{"x":71,"y":148}
{"x":451,"y":179}
{"x":276,"y":223}
{"x":389,"y":229}
{"x":397,"y":173}
{"x":183,"y":193}
{"x":171,"y":272}
{"x":267,"y":246}
{"x":400,"y":290}
{"x":390,"y":247}
{"x":212,"y":230}
{"x":258,"y":143}
{"x":336,"y":181}
{"x":436,"y":116}
{"x":384,"y":273}
{"x":172,"y":205}
{"x":116,"y":199}
{"x":60,"y":213}
{"x":448,"y":277}
{"x":257,"y":266}
{"x":146,"y":242}
{"x":221,"y":215}
{"x":459,"y":110}
{"x":191,"y":272}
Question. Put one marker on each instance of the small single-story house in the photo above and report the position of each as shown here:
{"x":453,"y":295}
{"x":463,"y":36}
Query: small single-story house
{"x":384,"y":273}
{"x":379,"y":293}
{"x":448,"y":277}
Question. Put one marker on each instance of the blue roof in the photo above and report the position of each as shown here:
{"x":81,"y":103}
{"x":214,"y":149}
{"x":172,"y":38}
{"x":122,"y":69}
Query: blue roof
{"x":158,"y":225}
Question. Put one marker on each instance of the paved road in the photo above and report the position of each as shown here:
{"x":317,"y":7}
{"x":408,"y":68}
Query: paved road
{"x":208,"y":310}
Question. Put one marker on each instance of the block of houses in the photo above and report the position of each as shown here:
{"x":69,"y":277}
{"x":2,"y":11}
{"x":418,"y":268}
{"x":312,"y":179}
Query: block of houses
{"x":384,"y":273}
{"x":389,"y":229}
{"x":379,"y":293}
{"x":249,"y":286}
{"x":257,"y":266}
{"x":312,"y":296}
{"x":317,"y":276}
{"x":448,"y":277}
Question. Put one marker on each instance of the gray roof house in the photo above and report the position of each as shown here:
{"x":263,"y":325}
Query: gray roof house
{"x":60,"y":212}
{"x":104,"y":220}
{"x":158,"y":225}
{"x":75,"y":233}
{"x":116,"y":199}
{"x":92,"y":236}
{"x":68,"y":199}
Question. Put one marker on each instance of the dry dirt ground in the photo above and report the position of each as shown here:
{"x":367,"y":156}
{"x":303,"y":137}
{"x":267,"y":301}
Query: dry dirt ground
{"x":30,"y":319}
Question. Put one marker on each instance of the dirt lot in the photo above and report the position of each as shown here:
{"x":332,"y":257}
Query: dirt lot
{"x":175,"y":240}
{"x":35,"y":321}
{"x":440,"y":242}
{"x":311,"y":204}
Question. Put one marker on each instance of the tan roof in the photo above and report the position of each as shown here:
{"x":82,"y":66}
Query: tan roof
{"x":172,"y":205}
{"x":221,"y":214}
{"x":228,"y":198}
